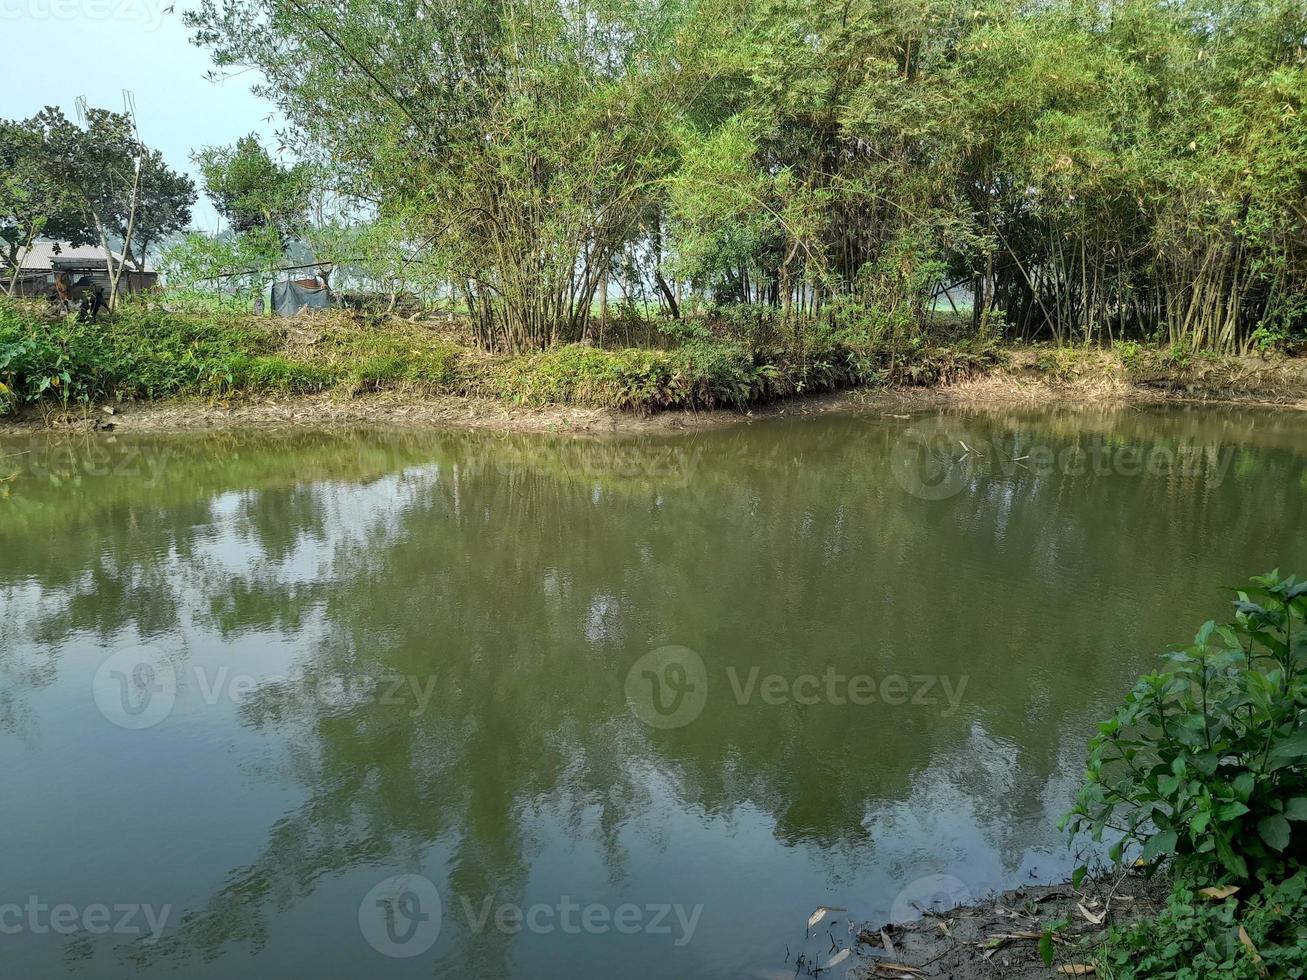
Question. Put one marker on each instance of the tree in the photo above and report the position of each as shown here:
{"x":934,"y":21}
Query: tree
{"x":123,"y":191}
{"x":239,"y":262}
{"x":525,"y":139}
{"x":33,"y":202}
{"x":1090,"y":170}
{"x":253,"y":191}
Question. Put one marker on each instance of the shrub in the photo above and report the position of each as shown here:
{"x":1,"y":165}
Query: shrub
{"x":143,"y":350}
{"x":1206,"y":763}
{"x":707,"y":373}
{"x":699,"y":374}
{"x":44,"y":357}
{"x":152,"y":352}
{"x":1198,"y":939}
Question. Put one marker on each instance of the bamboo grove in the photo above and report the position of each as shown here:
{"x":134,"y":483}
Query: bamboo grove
{"x":1075,"y":170}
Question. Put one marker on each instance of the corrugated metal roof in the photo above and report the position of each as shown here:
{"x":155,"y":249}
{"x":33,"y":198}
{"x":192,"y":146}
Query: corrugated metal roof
{"x":37,"y":259}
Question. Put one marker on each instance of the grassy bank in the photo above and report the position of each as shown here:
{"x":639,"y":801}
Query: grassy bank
{"x":148,"y":352}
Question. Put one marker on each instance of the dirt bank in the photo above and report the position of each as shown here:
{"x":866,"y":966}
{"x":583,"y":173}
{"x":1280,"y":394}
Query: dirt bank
{"x":1029,"y":376}
{"x":1000,"y":937}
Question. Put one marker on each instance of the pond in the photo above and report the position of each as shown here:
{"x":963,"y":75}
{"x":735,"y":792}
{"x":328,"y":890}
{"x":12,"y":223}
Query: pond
{"x":408,"y":703}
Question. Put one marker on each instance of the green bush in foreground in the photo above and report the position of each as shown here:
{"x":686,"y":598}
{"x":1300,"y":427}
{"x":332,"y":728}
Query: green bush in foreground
{"x":1205,"y":764}
{"x":1204,"y":769}
{"x":139,"y":352}
{"x":39,"y":361}
{"x":145,"y":351}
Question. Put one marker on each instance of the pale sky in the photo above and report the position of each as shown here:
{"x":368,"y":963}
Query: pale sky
{"x":52,"y":51}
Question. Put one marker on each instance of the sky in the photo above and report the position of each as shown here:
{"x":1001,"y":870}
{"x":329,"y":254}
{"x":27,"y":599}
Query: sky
{"x":53,"y":51}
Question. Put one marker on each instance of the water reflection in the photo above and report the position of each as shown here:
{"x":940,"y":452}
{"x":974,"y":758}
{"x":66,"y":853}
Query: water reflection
{"x":509,"y":583}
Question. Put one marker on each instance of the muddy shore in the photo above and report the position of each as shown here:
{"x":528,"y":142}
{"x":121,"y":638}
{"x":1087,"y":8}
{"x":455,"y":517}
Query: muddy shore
{"x":1000,"y":936}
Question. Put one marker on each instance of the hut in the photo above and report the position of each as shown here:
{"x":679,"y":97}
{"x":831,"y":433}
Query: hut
{"x":86,"y":267}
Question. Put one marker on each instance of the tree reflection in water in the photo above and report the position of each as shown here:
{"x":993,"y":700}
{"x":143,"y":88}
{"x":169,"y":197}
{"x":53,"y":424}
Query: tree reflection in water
{"x":517,"y":578}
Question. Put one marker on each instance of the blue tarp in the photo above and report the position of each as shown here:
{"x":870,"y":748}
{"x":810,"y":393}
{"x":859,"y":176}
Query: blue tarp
{"x":288,"y":298}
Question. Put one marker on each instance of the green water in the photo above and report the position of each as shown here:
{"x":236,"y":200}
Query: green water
{"x":618,"y":708}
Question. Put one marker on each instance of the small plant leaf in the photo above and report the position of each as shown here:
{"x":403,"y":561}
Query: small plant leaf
{"x":1274,"y":830}
{"x":1046,"y":947}
{"x":1288,"y":750}
{"x":1159,"y":845}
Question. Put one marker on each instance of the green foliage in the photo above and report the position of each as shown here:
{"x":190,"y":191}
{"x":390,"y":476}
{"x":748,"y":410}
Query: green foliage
{"x":118,"y":187}
{"x":627,"y":378}
{"x":40,"y":360}
{"x":377,"y":358}
{"x":702,"y":373}
{"x":1196,"y":938}
{"x":1205,"y":765}
{"x":254,"y":192}
{"x":146,"y":351}
{"x":1127,"y":170}
{"x":33,"y":202}
{"x":237,"y":264}
{"x":265,"y":373}
{"x":1127,"y":350}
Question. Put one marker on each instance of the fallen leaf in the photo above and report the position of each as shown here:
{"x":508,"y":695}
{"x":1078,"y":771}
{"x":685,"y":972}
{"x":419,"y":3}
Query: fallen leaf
{"x":1094,"y":919}
{"x":887,"y":942}
{"x":1218,"y":891}
{"x":1076,"y":969}
{"x":819,"y":913}
{"x":838,"y":958}
{"x":1248,"y":944}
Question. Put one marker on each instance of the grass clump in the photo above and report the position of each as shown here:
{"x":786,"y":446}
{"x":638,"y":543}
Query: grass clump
{"x":628,"y":378}
{"x":372,"y":357}
{"x":701,"y":373}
